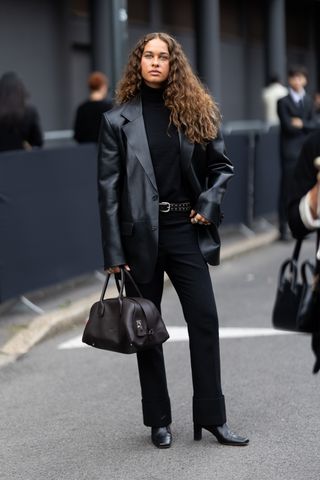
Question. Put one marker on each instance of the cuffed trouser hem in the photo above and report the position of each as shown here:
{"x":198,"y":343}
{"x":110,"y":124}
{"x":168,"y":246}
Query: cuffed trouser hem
{"x":157,"y":412}
{"x":209,"y":411}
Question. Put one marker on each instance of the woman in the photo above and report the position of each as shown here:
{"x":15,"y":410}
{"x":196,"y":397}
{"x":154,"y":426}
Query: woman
{"x":19,"y":122}
{"x":88,"y":116}
{"x":304,"y":206}
{"x":162,"y":176}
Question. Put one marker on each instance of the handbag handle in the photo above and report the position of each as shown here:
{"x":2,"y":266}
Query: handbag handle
{"x":294,"y":274}
{"x":304,"y":266}
{"x":104,"y":288}
{"x":131,"y":280}
{"x":120,"y":286}
{"x":293,"y":264}
{"x":118,"y":283}
{"x":317,"y":266}
{"x":297,"y":249}
{"x":314,"y":269}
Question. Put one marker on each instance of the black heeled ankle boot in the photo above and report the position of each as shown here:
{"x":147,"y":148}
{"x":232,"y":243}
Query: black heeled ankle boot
{"x":161,"y":436}
{"x":222,"y":433}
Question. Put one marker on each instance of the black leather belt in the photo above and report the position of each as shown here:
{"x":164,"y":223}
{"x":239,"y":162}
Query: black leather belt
{"x":166,"y":207}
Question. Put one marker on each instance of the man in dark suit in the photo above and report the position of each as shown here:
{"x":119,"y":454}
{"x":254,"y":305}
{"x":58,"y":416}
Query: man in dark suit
{"x":297,"y":120}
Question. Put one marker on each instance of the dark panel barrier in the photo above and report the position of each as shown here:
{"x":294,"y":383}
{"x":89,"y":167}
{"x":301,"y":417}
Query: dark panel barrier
{"x":266,"y":173}
{"x":49,"y":225}
{"x":235,"y":203}
{"x":49,"y":228}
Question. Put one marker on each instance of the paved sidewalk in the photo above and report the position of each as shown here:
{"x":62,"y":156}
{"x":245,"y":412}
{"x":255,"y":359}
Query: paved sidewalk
{"x":68,"y":304}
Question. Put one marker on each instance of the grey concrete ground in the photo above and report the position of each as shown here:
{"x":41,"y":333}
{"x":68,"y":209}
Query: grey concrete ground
{"x":75,"y":414}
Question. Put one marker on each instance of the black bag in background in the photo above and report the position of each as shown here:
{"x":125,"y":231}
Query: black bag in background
{"x":308,"y":316}
{"x":124,"y":324}
{"x":297,"y":305}
{"x":289,"y":293}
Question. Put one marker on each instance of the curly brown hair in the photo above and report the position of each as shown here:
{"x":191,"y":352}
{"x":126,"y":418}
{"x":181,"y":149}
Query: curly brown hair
{"x":192,"y":108}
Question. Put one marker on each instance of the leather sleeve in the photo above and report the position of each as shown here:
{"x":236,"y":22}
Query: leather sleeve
{"x":304,"y":179}
{"x":110,"y":176}
{"x":219,"y":172}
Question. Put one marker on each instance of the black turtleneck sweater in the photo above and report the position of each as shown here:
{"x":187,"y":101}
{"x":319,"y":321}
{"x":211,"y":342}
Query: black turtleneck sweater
{"x":164,"y":146}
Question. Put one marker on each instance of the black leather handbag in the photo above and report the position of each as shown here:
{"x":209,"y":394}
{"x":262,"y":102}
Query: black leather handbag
{"x":288,"y":294}
{"x":124,"y":324}
{"x":297,"y":304}
{"x":308,"y":316}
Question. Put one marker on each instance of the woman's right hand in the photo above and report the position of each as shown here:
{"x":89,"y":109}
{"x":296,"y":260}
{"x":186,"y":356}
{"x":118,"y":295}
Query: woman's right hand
{"x":116,"y":269}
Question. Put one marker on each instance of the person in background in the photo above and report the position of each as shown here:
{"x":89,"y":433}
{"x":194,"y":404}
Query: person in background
{"x":88,"y":115}
{"x":297,"y":120}
{"x":19,"y":122}
{"x":270,"y":96}
{"x":303,"y":205}
{"x":162,"y":174}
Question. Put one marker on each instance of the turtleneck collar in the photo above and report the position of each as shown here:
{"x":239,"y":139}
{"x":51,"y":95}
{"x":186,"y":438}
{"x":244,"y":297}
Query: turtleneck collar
{"x":154,"y":95}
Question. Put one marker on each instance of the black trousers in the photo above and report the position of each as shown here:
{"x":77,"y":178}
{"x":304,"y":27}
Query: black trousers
{"x":180,"y":257}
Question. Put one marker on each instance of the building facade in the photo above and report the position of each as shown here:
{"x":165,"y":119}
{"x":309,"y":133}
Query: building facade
{"x":234,"y":45}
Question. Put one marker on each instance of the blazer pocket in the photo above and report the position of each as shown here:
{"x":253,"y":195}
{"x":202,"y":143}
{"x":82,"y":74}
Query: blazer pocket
{"x":126,"y":228}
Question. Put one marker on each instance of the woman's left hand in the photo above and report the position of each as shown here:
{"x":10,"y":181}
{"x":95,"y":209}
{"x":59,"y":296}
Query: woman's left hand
{"x":198,"y":218}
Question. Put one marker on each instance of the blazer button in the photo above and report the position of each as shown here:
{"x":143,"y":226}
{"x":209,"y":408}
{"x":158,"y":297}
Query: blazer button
{"x":155,"y":197}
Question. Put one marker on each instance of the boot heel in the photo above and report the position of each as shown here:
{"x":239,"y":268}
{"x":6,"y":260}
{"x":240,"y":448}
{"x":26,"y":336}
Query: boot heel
{"x":197,"y":432}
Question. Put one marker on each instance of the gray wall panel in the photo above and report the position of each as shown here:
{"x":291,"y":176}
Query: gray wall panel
{"x":29,"y":45}
{"x":267,"y":173}
{"x":45,"y":43}
{"x":233,"y":81}
{"x":255,"y":79}
{"x":235,"y":202}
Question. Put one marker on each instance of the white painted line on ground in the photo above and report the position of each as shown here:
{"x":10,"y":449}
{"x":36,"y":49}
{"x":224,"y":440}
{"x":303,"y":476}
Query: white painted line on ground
{"x":180,"y":334}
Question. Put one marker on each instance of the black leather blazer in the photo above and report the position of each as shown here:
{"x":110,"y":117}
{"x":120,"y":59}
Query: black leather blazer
{"x":128,"y":195}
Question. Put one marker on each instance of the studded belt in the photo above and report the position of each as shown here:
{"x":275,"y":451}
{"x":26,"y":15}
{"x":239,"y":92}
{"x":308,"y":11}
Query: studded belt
{"x":166,"y":207}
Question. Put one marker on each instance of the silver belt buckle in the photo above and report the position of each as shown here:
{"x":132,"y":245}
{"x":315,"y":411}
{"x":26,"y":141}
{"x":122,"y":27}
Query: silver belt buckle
{"x":165,"y":204}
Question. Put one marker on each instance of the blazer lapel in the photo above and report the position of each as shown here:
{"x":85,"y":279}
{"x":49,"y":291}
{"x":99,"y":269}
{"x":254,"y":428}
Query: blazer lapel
{"x":136,"y":135}
{"x":137,"y":138}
